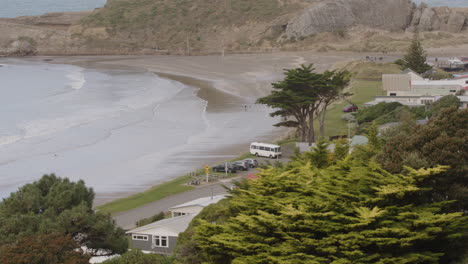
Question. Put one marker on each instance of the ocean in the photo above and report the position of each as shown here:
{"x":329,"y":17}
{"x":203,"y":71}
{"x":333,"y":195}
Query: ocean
{"x":14,"y":8}
{"x":451,"y":3}
{"x":119,"y":130}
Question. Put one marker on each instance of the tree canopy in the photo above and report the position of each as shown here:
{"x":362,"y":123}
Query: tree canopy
{"x":304,"y":96}
{"x":137,"y":257}
{"x":350,"y":212}
{"x":443,"y":141}
{"x":43,"y":249}
{"x":415,"y":58}
{"x":56,"y":205}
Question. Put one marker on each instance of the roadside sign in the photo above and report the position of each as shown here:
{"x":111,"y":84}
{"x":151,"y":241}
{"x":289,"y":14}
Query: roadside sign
{"x":207,"y":169}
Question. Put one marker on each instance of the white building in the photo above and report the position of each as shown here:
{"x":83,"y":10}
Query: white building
{"x":413,"y":100}
{"x":410,"y":89}
{"x":410,"y":83}
{"x":195,"y":206}
{"x":161,"y":236}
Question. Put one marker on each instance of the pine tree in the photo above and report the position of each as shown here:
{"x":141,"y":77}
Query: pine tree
{"x":415,"y":59}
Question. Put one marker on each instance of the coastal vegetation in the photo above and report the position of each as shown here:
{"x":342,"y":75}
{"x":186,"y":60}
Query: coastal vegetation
{"x":359,"y":207}
{"x":54,"y":208}
{"x":415,"y":58}
{"x":383,"y":113}
{"x":155,"y":193}
{"x":43,"y":248}
{"x":138,"y":257}
{"x":305,"y":97}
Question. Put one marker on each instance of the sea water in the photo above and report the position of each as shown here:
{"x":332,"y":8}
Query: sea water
{"x":118,"y":130}
{"x":14,"y":8}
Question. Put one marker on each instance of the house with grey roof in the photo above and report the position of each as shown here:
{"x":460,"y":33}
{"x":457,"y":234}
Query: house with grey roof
{"x":160,"y":237}
{"x":195,"y":206}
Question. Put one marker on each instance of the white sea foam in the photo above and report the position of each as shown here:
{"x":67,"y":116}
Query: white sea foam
{"x":6,"y":140}
{"x":77,"y":79}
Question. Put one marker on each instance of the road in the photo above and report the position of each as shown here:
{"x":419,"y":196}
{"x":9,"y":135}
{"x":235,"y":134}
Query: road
{"x":127,"y":219}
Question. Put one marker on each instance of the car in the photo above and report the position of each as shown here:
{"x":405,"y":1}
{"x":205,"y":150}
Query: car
{"x":350,"y":108}
{"x":222,"y":168}
{"x":253,"y":163}
{"x":241,"y":164}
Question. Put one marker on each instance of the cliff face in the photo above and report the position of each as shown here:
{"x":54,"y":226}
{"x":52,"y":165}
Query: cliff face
{"x":391,"y":15}
{"x":426,"y":18}
{"x":333,"y":15}
{"x":210,"y":26}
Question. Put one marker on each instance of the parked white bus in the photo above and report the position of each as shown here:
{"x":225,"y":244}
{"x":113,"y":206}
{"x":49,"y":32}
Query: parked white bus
{"x":265,"y":150}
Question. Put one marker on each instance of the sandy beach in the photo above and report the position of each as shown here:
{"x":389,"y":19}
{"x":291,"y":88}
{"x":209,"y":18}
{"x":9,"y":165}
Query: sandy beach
{"x":228,"y":85}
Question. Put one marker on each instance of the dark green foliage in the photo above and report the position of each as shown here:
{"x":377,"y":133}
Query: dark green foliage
{"x":154,"y":218}
{"x":304,"y":96}
{"x":383,"y":113}
{"x":352,"y":212}
{"x":43,"y":249}
{"x":187,"y":251}
{"x":439,"y":75}
{"x":57,"y":205}
{"x":378,"y":111}
{"x":443,"y":141}
{"x":415,"y":59}
{"x":138,"y":257}
{"x":444,"y":102}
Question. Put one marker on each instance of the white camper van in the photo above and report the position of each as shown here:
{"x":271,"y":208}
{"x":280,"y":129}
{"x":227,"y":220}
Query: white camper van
{"x":265,"y":150}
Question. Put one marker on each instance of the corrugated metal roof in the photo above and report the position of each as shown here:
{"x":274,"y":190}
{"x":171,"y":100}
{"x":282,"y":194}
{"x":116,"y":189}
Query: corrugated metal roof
{"x":178,"y":224}
{"x":205,"y":201}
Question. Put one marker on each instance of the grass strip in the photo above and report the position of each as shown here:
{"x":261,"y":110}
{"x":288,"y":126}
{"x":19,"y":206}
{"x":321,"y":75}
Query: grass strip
{"x":156,"y":193}
{"x":366,"y":85}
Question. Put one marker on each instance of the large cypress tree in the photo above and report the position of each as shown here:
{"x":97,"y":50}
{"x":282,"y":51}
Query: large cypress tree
{"x":415,"y":59}
{"x":351,"y":212}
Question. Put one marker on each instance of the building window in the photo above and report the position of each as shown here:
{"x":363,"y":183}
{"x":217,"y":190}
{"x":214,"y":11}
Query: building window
{"x":453,"y":91}
{"x":140,"y":237}
{"x":161,"y":241}
{"x":392,"y":94}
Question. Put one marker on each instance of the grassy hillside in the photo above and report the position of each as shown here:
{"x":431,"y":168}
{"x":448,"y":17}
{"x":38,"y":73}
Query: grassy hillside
{"x":166,"y":24}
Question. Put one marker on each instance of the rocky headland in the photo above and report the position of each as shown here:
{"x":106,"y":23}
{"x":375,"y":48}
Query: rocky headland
{"x":210,"y":26}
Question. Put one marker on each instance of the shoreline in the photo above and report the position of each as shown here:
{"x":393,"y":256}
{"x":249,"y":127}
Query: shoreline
{"x":246,"y":77}
{"x":217,"y":102}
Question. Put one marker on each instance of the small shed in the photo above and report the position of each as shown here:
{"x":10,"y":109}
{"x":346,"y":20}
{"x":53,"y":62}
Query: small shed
{"x":161,"y":236}
{"x":195,"y":206}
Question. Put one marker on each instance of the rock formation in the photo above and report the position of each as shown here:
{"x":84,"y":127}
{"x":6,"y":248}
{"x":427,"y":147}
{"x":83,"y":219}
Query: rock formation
{"x":426,"y":18}
{"x":160,"y":27}
{"x":391,"y":15}
{"x":332,"y":15}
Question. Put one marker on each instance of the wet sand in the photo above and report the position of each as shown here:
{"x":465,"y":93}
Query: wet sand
{"x":229,"y":85}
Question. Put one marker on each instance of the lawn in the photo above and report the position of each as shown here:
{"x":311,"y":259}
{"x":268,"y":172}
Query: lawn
{"x":366,"y":85}
{"x":156,"y":193}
